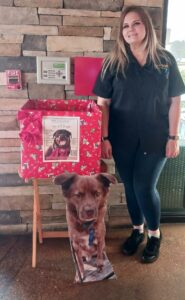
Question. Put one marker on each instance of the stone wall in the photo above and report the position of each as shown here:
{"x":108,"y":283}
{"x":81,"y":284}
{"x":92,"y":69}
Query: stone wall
{"x":30,"y":28}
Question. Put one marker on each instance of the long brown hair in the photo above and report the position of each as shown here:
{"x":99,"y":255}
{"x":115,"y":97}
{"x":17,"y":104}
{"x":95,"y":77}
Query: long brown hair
{"x":118,"y":57}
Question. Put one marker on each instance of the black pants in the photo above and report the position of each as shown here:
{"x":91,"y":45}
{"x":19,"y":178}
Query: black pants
{"x":140,"y":172}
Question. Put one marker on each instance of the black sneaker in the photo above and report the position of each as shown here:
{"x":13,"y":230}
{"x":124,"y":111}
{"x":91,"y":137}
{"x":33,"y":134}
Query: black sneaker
{"x":151,"y":251}
{"x":130,"y":246}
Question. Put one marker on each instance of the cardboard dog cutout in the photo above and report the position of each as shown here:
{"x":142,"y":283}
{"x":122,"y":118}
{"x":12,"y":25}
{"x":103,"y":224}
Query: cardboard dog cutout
{"x":86,"y":203}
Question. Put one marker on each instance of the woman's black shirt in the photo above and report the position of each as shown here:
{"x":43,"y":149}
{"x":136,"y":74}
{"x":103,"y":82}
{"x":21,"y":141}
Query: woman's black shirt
{"x":140,"y":102}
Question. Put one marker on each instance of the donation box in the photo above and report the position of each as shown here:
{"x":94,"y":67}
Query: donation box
{"x":59,"y":136}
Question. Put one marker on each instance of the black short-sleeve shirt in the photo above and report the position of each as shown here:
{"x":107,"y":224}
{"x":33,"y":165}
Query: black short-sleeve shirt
{"x":140,"y":102}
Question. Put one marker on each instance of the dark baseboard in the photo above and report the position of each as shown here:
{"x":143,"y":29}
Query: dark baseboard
{"x":173,"y":217}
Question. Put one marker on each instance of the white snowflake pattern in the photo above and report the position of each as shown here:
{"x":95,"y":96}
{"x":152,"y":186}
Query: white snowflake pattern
{"x":85,"y":142}
{"x":25,"y":166}
{"x":82,"y":168}
{"x":40,"y":169}
{"x":33,"y":156}
{"x":88,"y":154}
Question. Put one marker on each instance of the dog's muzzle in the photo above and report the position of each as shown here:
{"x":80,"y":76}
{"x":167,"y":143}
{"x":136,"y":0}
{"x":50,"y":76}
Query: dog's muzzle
{"x":88,"y":214}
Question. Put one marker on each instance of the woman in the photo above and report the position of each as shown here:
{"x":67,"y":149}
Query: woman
{"x":139,"y":90}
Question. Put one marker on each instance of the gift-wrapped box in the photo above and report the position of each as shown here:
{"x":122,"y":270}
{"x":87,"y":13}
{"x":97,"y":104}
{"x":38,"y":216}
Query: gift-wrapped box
{"x":59,"y":136}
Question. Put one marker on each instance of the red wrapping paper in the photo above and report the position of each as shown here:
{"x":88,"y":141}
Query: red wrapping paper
{"x":31,"y":116}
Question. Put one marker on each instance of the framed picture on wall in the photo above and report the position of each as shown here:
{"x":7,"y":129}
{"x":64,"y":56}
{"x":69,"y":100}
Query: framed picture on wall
{"x":174,"y":41}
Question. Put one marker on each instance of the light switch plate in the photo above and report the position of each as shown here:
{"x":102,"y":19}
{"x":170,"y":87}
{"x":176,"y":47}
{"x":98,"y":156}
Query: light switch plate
{"x":53,"y":70}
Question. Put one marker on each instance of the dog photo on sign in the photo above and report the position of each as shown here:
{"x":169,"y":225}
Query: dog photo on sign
{"x":61,"y":138}
{"x":61,"y":147}
{"x":86,"y":203}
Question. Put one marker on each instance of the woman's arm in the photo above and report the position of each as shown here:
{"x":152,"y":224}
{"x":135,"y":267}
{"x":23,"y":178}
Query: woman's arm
{"x":106,"y":146}
{"x":104,"y":105}
{"x":172,"y":147}
{"x":174,"y":116}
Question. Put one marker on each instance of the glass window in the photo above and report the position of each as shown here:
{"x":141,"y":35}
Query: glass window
{"x":175,"y":43}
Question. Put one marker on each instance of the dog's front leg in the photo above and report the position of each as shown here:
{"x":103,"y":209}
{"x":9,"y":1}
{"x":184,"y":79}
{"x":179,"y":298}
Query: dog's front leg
{"x":78,"y":260}
{"x":100,"y":254}
{"x":100,"y":247}
{"x":100,"y":233}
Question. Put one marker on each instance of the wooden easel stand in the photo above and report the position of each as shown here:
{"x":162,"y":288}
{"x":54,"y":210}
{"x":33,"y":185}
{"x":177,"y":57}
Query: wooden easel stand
{"x":37,"y":225}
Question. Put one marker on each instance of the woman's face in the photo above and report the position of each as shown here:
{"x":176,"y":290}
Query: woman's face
{"x":133,"y":29}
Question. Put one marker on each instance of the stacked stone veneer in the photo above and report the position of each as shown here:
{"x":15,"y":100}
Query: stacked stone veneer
{"x":30,"y":28}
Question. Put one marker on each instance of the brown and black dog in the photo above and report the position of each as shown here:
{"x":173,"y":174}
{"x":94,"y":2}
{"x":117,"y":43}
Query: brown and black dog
{"x":86,"y":203}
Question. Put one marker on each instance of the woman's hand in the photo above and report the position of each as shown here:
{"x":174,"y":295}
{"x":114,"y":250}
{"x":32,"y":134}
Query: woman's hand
{"x":172,"y":148}
{"x":106,"y":149}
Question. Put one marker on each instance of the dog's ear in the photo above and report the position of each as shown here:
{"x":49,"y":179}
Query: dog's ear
{"x":69,"y":134}
{"x":65,"y":180}
{"x":106,"y":179}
